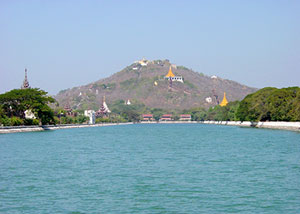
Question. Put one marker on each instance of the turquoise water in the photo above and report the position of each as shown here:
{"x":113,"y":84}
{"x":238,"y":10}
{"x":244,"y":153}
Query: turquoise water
{"x":151,"y":168}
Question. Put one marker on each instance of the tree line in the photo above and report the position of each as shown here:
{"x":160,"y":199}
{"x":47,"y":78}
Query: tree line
{"x":267,"y":104}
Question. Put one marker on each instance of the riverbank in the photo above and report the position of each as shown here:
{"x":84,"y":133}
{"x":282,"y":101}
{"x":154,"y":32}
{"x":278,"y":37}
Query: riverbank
{"x":15,"y":129}
{"x":291,"y":126}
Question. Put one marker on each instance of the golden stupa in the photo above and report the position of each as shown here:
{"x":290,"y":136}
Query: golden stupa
{"x":224,"y":101}
{"x":170,"y":73}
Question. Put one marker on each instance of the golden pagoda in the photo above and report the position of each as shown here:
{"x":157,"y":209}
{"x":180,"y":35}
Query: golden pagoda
{"x":224,"y":101}
{"x":170,"y":73}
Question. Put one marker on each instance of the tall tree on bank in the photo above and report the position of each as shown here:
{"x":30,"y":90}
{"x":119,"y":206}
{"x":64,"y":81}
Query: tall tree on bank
{"x":271,"y":104}
{"x":17,"y":101}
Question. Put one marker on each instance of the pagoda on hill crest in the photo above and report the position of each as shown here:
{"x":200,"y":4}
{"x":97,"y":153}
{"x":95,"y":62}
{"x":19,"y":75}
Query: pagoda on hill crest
{"x":171,"y":76}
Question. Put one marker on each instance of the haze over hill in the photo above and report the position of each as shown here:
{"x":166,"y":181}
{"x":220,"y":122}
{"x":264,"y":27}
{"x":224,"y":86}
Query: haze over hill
{"x":144,"y":82}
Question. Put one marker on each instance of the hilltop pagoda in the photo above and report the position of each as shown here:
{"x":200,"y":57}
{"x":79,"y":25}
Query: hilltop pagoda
{"x":25,"y":82}
{"x":104,"y":110}
{"x":224,"y":101}
{"x":171,"y":76}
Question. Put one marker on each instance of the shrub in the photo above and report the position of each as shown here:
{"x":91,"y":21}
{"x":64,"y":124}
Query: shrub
{"x":16,"y":121}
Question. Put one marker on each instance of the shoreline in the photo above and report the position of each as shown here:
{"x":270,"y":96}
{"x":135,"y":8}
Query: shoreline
{"x":17,"y":129}
{"x":290,"y":126}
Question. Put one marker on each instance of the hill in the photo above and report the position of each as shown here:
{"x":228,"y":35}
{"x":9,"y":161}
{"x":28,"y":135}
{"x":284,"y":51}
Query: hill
{"x":144,"y":82}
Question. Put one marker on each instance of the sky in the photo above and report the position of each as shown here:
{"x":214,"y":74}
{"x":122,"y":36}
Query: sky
{"x":68,"y":43}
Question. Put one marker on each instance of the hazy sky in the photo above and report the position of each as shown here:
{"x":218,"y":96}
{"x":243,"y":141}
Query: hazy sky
{"x":70,"y":43}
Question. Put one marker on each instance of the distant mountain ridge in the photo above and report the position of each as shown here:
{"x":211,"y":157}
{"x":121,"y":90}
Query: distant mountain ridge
{"x":144,"y":82}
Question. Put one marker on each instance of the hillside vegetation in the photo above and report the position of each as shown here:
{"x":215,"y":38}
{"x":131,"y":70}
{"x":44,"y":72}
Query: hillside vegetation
{"x":137,"y":82}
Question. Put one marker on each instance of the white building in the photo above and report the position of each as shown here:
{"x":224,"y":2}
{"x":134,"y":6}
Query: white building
{"x":29,"y":114}
{"x":208,"y":99}
{"x":128,"y":102}
{"x":142,"y":62}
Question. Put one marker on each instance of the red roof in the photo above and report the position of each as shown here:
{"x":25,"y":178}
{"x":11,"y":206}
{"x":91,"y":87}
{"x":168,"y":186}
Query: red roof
{"x":147,"y":115}
{"x":185,"y":115}
{"x":167,"y":115}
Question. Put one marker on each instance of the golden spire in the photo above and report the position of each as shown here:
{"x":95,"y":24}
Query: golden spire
{"x":224,"y":101}
{"x":170,"y":73}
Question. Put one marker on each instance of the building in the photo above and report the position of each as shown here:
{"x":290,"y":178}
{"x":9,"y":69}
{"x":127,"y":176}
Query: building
{"x":224,"y":101}
{"x":166,"y":117}
{"x":69,"y":111}
{"x":104,"y":110}
{"x":143,"y":62}
{"x":25,"y":82}
{"x":29,"y":114}
{"x":91,"y":115}
{"x":170,"y":76}
{"x":208,"y":99}
{"x":128,"y":102}
{"x":185,"y":117}
{"x":147,"y":117}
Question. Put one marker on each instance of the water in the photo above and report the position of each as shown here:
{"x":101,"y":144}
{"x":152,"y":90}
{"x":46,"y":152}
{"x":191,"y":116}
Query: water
{"x":151,"y":168}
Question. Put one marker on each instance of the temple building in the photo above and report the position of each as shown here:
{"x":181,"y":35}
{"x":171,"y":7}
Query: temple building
{"x":69,"y":111}
{"x":25,"y":82}
{"x":224,"y":101}
{"x":171,"y":76}
{"x":104,"y":110}
{"x":143,"y":62}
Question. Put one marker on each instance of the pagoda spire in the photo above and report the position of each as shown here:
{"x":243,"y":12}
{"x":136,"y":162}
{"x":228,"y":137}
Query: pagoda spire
{"x":104,"y":110}
{"x":25,"y":82}
{"x":170,"y":73}
{"x":224,"y":101}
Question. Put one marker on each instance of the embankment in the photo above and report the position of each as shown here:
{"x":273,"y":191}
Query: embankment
{"x":292,"y":126}
{"x":14,"y":129}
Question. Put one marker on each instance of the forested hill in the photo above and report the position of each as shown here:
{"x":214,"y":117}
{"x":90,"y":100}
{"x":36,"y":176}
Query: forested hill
{"x":144,"y":82}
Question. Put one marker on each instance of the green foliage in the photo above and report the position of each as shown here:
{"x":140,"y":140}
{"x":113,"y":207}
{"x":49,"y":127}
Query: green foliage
{"x":16,"y":121}
{"x":217,"y":113}
{"x":30,"y":122}
{"x":108,"y":86}
{"x":128,"y":84}
{"x":15,"y":102}
{"x":271,"y":104}
{"x":198,"y":114}
{"x":62,"y":119}
{"x":157,"y":113}
{"x":5,"y":121}
{"x":131,"y":113}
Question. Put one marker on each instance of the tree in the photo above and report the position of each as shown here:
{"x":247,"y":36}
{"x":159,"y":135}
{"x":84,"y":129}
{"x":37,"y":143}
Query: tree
{"x":271,"y":104}
{"x":17,"y":101}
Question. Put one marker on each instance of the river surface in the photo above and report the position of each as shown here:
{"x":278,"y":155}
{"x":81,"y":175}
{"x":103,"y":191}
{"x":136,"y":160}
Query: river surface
{"x":151,"y":168}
